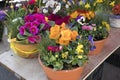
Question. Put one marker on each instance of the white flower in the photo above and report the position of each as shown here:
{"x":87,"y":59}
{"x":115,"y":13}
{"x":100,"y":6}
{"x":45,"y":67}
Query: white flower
{"x":50,"y":3}
{"x":80,"y":20}
{"x":67,"y":6}
{"x":45,"y":10}
{"x":58,"y":7}
{"x":18,"y":5}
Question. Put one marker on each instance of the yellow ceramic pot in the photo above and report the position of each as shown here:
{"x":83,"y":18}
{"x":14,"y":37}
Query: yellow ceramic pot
{"x":24,"y":50}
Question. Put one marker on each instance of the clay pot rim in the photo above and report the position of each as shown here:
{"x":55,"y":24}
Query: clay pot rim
{"x":75,"y":69}
{"x":101,"y":40}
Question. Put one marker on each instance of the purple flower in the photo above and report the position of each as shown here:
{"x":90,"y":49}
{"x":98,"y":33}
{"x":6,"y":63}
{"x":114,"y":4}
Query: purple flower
{"x":58,"y":19}
{"x":34,"y":39}
{"x":90,"y":38}
{"x":2,"y":15}
{"x":29,"y":18}
{"x":54,"y":48}
{"x":34,"y":30}
{"x":22,"y":30}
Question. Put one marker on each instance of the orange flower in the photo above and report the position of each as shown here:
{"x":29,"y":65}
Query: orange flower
{"x":92,"y":14}
{"x":66,"y":34}
{"x":74,"y":14}
{"x":65,"y":37}
{"x":63,"y":42}
{"x":74,"y":35}
{"x":54,"y":32}
{"x":63,"y":27}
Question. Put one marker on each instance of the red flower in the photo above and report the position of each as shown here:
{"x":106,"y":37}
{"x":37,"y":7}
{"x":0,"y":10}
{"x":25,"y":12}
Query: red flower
{"x":31,"y":2}
{"x":54,"y":48}
{"x":116,"y":9}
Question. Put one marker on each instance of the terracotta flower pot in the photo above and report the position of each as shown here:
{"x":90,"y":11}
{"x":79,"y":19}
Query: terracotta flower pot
{"x":74,"y":74}
{"x":99,"y":46}
{"x":24,"y":50}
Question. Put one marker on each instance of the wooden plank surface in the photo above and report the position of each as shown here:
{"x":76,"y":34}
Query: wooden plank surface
{"x":31,"y":70}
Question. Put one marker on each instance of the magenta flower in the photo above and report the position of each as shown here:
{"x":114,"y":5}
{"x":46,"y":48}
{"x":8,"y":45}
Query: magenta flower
{"x":22,"y":30}
{"x":35,"y":23}
{"x":29,"y":18}
{"x":58,"y":19}
{"x":46,"y":27}
{"x":34,"y":30}
{"x":54,"y":48}
{"x":28,"y":24}
{"x":34,"y":39}
{"x":39,"y":17}
{"x":31,"y":2}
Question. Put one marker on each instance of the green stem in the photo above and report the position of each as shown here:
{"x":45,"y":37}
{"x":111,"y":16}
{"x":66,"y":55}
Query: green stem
{"x":40,"y":3}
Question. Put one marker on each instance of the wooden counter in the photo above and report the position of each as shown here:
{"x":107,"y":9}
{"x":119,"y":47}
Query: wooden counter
{"x":29,"y":69}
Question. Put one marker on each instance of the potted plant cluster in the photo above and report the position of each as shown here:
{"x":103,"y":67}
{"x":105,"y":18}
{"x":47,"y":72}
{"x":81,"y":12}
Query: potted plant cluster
{"x":25,"y":27}
{"x":63,"y":53}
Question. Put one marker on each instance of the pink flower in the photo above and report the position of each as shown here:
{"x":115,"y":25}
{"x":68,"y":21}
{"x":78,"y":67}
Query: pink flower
{"x":34,"y":30}
{"x":54,"y":48}
{"x":85,"y":27}
{"x":34,"y":39}
{"x":22,"y":30}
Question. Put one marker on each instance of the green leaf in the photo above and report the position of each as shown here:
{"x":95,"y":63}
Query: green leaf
{"x":27,"y":33}
{"x":19,"y":36}
{"x":80,"y":63}
{"x":51,"y":23}
{"x":41,"y":26}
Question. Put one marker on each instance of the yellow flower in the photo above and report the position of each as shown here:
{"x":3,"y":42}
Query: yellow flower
{"x":108,"y":27}
{"x":112,"y":3}
{"x":94,"y":29}
{"x":80,"y":56}
{"x":87,"y":5}
{"x":65,"y":55}
{"x":81,"y":2}
{"x":99,"y":1}
{"x":54,"y":32}
{"x":74,"y":14}
{"x":79,"y":48}
{"x":94,"y":4}
{"x":46,"y":19}
{"x":104,"y":23}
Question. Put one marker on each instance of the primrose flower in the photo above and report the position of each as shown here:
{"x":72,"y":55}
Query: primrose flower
{"x":65,"y":55}
{"x":22,"y":30}
{"x":34,"y":30}
{"x":79,"y":48}
{"x":34,"y":39}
